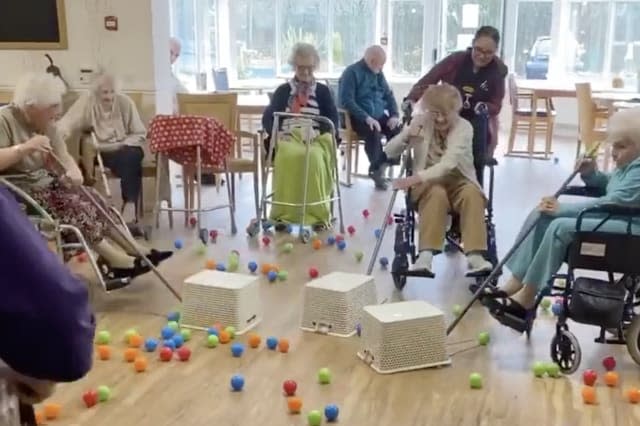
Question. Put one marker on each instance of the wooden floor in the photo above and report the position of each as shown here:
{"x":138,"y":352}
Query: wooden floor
{"x":198,"y":392}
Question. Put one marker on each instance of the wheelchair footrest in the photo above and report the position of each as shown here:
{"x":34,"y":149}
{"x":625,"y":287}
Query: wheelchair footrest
{"x":518,"y":324}
{"x":421,"y":274}
{"x":116,"y":284}
{"x":479,"y":274}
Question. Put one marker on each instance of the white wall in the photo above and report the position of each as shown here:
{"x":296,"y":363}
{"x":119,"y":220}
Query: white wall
{"x":127,"y":52}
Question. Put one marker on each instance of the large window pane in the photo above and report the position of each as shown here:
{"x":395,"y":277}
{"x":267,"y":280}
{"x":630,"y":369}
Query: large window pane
{"x":407,"y":40}
{"x":303,"y":21}
{"x":625,"y":51}
{"x":533,"y":39}
{"x":354,"y":29}
{"x":463,"y":17}
{"x":253,"y":38}
{"x":183,"y":28}
{"x":586,"y":40}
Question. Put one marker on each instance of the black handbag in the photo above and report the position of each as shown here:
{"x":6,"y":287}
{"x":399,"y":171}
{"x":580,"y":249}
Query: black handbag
{"x":597,"y":302}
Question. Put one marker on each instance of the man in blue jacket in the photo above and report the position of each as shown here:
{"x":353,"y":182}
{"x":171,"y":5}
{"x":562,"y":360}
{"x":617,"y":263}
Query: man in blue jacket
{"x":46,"y":322}
{"x":366,"y":95}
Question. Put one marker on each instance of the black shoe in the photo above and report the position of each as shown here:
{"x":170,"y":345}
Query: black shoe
{"x":156,"y":256}
{"x":511,"y":314}
{"x":489,"y":292}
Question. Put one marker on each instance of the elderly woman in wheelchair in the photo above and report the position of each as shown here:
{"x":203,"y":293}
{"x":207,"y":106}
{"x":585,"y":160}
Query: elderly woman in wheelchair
{"x":444,"y":179}
{"x":28,"y":139}
{"x":544,"y":250}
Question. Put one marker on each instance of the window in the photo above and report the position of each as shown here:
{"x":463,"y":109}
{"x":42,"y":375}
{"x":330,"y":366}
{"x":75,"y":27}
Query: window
{"x":407,"y":38}
{"x":304,"y":21}
{"x":253,"y":36}
{"x":533,"y":39}
{"x":464,"y":17}
{"x":625,"y":49}
{"x":354,"y":29}
{"x":586,"y":39}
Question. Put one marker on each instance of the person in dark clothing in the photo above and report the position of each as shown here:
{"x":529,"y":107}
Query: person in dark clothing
{"x":366,"y":95}
{"x":480,"y":76}
{"x":46,"y":322}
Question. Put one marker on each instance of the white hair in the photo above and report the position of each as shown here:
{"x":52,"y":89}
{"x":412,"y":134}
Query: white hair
{"x":100,"y":78}
{"x":304,"y":50}
{"x":173,"y":41}
{"x":625,"y":125}
{"x":38,"y":89}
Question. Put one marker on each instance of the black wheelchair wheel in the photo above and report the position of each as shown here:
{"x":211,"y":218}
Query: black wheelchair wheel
{"x":565,"y":351}
{"x":633,"y":339}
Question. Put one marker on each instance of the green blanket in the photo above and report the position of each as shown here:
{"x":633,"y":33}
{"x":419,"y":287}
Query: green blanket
{"x":289,"y":177}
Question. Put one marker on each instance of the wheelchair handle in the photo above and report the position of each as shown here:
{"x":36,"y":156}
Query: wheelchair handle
{"x":610,"y":209}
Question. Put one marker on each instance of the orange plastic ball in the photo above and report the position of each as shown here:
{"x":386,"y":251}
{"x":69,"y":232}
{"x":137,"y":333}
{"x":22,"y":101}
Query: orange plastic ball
{"x":140,"y":364}
{"x":295,"y":404}
{"x":136,"y":341}
{"x":254,"y":340}
{"x":210,"y":264}
{"x":633,"y":395}
{"x":317,"y":244}
{"x":611,"y":378}
{"x":52,"y":410}
{"x":283,"y":346}
{"x":224,"y":337}
{"x":39,"y":418}
{"x":589,"y":395}
{"x":130,"y":354}
{"x":104,"y":352}
{"x":266,"y":267}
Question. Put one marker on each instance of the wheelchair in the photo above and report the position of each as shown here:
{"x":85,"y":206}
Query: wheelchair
{"x":404,"y":242}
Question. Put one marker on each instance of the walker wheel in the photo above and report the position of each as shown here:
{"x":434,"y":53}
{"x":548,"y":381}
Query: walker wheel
{"x":565,"y":351}
{"x":399,"y":280}
{"x":234,"y":229}
{"x":633,"y":339}
{"x":305,"y":235}
{"x":203,"y":234}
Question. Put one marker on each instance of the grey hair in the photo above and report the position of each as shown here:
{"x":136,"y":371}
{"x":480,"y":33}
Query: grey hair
{"x":99,"y":79}
{"x":625,"y":125}
{"x":38,"y":89}
{"x":304,"y":50}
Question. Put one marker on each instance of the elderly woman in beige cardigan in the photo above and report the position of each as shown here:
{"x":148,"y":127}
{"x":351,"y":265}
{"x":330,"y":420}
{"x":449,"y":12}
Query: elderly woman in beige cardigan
{"x":120,"y":134}
{"x":443,"y":177}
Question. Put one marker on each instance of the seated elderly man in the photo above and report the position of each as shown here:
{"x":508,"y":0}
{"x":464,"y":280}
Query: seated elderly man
{"x":545,"y":248}
{"x":27,"y":137}
{"x":120,"y":134}
{"x":444,"y":177}
{"x":366,"y":95}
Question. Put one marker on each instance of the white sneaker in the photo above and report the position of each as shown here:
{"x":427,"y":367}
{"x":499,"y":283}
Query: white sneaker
{"x":423,"y":262}
{"x":477,"y":264}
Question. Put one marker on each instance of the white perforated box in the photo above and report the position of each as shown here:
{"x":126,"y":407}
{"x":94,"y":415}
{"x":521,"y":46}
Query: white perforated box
{"x":403,"y":336}
{"x":228,"y":298}
{"x":333,"y":303}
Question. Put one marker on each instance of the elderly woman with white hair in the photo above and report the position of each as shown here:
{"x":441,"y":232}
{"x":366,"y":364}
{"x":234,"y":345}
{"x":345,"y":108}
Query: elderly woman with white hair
{"x":27,"y":137}
{"x":444,"y":178}
{"x":302,"y":95}
{"x":120,"y":133}
{"x":544,"y":250}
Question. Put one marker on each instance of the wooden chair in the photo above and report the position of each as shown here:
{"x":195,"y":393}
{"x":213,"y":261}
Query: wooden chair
{"x":591,"y":129}
{"x":224,"y":108}
{"x":6,"y":97}
{"x":522,"y":119}
{"x":351,"y":143}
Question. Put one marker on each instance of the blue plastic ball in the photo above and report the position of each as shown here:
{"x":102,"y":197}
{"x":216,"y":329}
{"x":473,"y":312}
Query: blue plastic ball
{"x":237,"y":349}
{"x":237,"y":383}
{"x":212,"y":331}
{"x":178,"y":340}
{"x":272,"y":276}
{"x":556,"y":308}
{"x":150,"y":345}
{"x":272,"y":342}
{"x":253,"y":266}
{"x":173,"y":316}
{"x":221,"y":267}
{"x":342,"y":244}
{"x":331,"y":412}
{"x":377,"y":233}
{"x":169,"y":343}
{"x":178,"y":244}
{"x":331,"y":240}
{"x":167,"y":332}
{"x":384,"y":262}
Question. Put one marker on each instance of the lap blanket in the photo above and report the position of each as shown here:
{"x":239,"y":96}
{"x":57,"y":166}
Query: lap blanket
{"x":289,"y":176}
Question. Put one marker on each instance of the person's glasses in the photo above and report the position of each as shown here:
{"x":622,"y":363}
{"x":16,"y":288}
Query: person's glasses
{"x":304,"y":68}
{"x":484,"y":52}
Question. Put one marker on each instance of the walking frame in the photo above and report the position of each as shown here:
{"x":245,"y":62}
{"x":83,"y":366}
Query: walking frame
{"x":304,"y":233}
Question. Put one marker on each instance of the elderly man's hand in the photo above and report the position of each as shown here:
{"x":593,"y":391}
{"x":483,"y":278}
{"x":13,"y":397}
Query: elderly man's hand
{"x":373,"y":124}
{"x":548,"y":205}
{"x":586,"y":166}
{"x":393,"y":122}
{"x":406,"y":183}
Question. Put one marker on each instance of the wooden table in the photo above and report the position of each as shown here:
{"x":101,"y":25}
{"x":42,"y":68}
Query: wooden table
{"x":252,"y":104}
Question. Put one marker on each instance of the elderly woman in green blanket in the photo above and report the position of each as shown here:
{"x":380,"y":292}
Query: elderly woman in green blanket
{"x":302,"y":95}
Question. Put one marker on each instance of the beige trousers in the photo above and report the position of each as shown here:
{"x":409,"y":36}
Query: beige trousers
{"x":435,"y":200}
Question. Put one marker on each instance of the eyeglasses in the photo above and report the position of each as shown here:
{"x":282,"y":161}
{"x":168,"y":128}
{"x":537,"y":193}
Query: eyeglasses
{"x":306,"y":68}
{"x":483,"y":52}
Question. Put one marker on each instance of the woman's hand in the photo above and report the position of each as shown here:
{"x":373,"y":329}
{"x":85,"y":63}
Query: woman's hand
{"x":73,"y":178}
{"x":548,"y":205}
{"x":38,"y":143}
{"x":406,"y":183}
{"x":586,"y":166}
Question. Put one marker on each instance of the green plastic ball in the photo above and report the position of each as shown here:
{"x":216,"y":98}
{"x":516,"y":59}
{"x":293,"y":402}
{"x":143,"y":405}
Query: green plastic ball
{"x":314,"y":418}
{"x":212,"y":341}
{"x":457,"y":310}
{"x":545,"y":303}
{"x":475,"y":381}
{"x":201,"y":249}
{"x":103,"y":337}
{"x":231,"y":330}
{"x":233,"y":265}
{"x":359,"y":256}
{"x":129,"y":333}
{"x":484,"y":338}
{"x":104,"y":393}
{"x":283,"y":275}
{"x":287,"y":248}
{"x":324,"y":376}
{"x":553,"y":369}
{"x":539,"y":369}
{"x":186,"y":334}
{"x":173,"y":325}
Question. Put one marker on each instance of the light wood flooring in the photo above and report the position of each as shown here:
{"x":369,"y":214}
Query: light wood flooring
{"x":198,"y":392}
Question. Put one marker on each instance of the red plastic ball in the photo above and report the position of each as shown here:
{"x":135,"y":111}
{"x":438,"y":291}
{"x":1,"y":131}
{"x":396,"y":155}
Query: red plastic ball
{"x":213,"y":234}
{"x":390,"y":220}
{"x":166,"y":354}
{"x":266,"y":241}
{"x":193,"y":221}
{"x":365,"y":213}
{"x":289,"y":387}
{"x":184,"y":353}
{"x":609,"y":363}
{"x":339,"y":238}
{"x":351,"y":230}
{"x":313,"y":272}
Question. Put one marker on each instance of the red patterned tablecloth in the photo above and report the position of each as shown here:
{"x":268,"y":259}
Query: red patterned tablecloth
{"x":178,"y":136}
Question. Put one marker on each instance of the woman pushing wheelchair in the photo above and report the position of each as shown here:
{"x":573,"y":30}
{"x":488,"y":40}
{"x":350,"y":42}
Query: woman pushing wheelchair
{"x":544,"y":250}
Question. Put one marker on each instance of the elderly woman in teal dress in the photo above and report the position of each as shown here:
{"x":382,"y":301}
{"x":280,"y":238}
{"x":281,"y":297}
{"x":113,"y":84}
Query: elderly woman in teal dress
{"x":545,"y":248}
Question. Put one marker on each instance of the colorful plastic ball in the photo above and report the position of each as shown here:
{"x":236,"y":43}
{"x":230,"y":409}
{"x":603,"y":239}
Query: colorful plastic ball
{"x":283,"y":275}
{"x":377,"y":233}
{"x":287,"y":247}
{"x":331,"y":240}
{"x":167,"y":332}
{"x":289,"y":387}
{"x":213,"y":331}
{"x":103,"y":337}
{"x":609,"y":363}
{"x":351,"y":230}
{"x":552,"y":369}
{"x":186,"y":334}
{"x":169,"y":343}
{"x":556,"y":308}
{"x":389,"y":220}
{"x":210,"y":264}
{"x":173,"y":316}
{"x":324,"y":376}
{"x":331,"y":412}
{"x":313,"y":273}
{"x":475,"y":381}
{"x":231,"y":330}
{"x":213,"y":234}
{"x":316,"y":244}
{"x":173,"y":325}
{"x":384,"y":262}
{"x":253,"y":266}
{"x":272,"y":343}
{"x":359,"y":255}
{"x":254,"y":340}
{"x":233,"y":264}
{"x":272,"y":276}
{"x":224,"y":337}
{"x":136,"y":341}
{"x":457,"y":310}
{"x":201,"y":249}
{"x":212,"y":341}
{"x":127,"y":335}
{"x":178,"y":244}
{"x":150,"y":345}
{"x":237,"y":383}
{"x":365,"y":213}
{"x":237,"y":349}
{"x":283,"y":346}
{"x":539,"y":369}
{"x":342,"y":245}
{"x":178,"y":340}
{"x":165,"y":354}
{"x":104,"y":393}
{"x":314,"y":418}
{"x":295,"y":404}
{"x":545,"y":303}
{"x":266,"y":241}
{"x":193,"y":221}
{"x":339,"y":238}
{"x":220,"y":267}
{"x":483,"y":338}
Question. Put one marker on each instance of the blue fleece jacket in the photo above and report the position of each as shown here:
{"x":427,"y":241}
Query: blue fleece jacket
{"x":365,"y":94}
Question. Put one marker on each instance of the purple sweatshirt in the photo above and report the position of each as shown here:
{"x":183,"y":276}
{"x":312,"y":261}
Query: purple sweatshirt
{"x":46,"y":323}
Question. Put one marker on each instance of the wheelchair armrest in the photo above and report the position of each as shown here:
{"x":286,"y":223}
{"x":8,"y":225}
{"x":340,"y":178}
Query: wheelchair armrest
{"x":613,"y":209}
{"x":584,"y":191}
